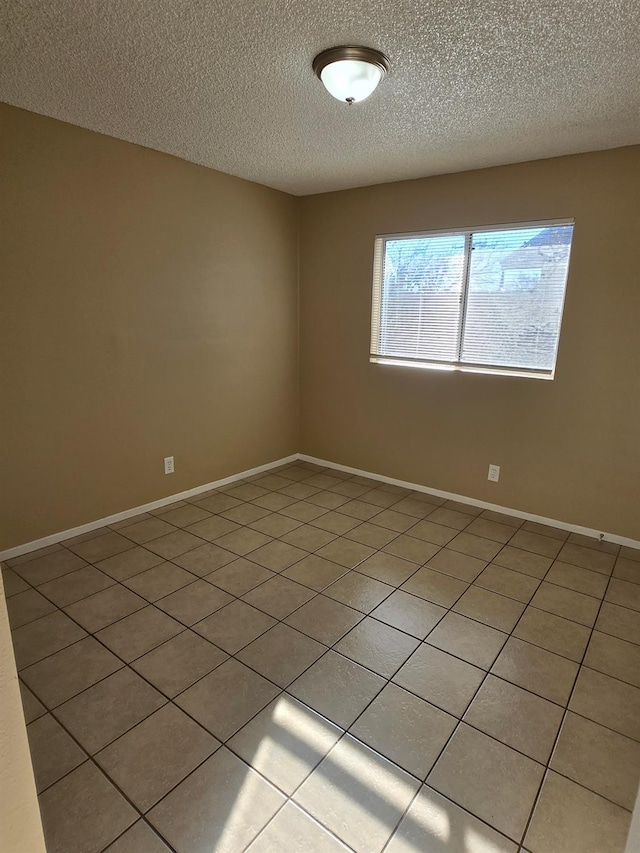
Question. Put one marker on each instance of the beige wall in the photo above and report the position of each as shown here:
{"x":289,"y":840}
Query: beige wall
{"x":148,"y":307}
{"x":569,"y":449}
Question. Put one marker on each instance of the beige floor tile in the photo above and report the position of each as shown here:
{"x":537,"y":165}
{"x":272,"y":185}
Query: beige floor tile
{"x":275,"y":524}
{"x":285,"y":741}
{"x":566,"y":603}
{"x":337,"y":688}
{"x":450,"y":518}
{"x":538,"y":544}
{"x":12,"y":583}
{"x":436,"y":534}
{"x":523,"y":561}
{"x":435,"y":824}
{"x":475,"y":546}
{"x":614,"y":657}
{"x":278,"y":596}
{"x":410,"y":506}
{"x":488,"y":779}
{"x":216,"y":502}
{"x":507,"y":582}
{"x":27,"y":606}
{"x":409,"y":613}
{"x":627,"y":570}
{"x":443,"y":680}
{"x":387,"y":568}
{"x":460,"y":566}
{"x":205,"y":559}
{"x":315,"y":572}
{"x":467,"y":639}
{"x":138,"y":633}
{"x":324,"y":619}
{"x":160,"y":581}
{"x":516,"y":717}
{"x":345,"y":553}
{"x":234,"y":626}
{"x":174,"y":544}
{"x":501,"y":518}
{"x":244,"y":491}
{"x":352,"y":489}
{"x":221,"y":806}
{"x":619,"y":622}
{"x":246,"y":513}
{"x":33,"y":555}
{"x":381,"y":497}
{"x":588,"y":558}
{"x":53,"y":752}
{"x":415,"y":742}
{"x":537,"y":670}
{"x":146,"y":530}
{"x":152,"y":758}
{"x":243,"y":541}
{"x":304,"y":511}
{"x":328,"y":500}
{"x":358,"y":591}
{"x":137,"y":839}
{"x":65,"y":673}
{"x":570,"y":819}
{"x":129,"y":563}
{"x":410,"y":548}
{"x":49,"y":566}
{"x":83,"y":812}
{"x":185,"y":515}
{"x":225,"y":699}
{"x":108,"y":709}
{"x":604,"y":761}
{"x":335,"y":522}
{"x":194,"y":602}
{"x":607,"y":701}
{"x":358,"y":795}
{"x":299,"y":491}
{"x":178,"y":663}
{"x":239,"y":576}
{"x":377,"y":646}
{"x":435,"y":586}
{"x":31,"y":706}
{"x":43,"y":637}
{"x":603,"y":546}
{"x":489,"y":529}
{"x":277,"y":555}
{"x":294,"y":831}
{"x":546,"y":530}
{"x":624,"y":593}
{"x":213,"y":527}
{"x":76,"y":585}
{"x":630,"y":553}
{"x":101,"y":547}
{"x":553,"y":633}
{"x":281,"y":654}
{"x":359,"y":509}
{"x":492,"y":609}
{"x":371,"y":535}
{"x":309,"y":538}
{"x":580,"y":580}
{"x":393,"y":520}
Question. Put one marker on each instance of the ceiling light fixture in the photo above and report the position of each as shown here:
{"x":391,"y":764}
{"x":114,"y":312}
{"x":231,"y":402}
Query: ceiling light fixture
{"x":350,"y":73}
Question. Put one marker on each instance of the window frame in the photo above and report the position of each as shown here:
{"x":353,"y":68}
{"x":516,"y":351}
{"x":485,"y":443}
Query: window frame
{"x":457,"y":366}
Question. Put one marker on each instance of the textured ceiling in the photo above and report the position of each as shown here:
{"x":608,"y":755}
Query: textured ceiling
{"x":228,"y":83}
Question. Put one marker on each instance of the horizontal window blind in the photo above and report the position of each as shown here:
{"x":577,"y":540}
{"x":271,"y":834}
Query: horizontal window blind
{"x":487,"y":299}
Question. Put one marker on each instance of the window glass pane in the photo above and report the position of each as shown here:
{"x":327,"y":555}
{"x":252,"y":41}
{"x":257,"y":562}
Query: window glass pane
{"x":420,"y":314}
{"x":515,"y":294}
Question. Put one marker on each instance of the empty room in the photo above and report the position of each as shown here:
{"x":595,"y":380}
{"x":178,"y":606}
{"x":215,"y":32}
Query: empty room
{"x":320,"y":470}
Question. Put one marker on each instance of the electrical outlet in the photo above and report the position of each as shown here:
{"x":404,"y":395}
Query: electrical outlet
{"x":494,"y":473}
{"x":168,"y":465}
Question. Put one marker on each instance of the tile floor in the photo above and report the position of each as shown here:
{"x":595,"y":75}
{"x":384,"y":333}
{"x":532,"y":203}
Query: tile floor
{"x":310,"y":661}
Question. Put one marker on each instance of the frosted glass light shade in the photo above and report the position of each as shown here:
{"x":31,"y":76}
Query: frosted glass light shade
{"x":350,"y":80}
{"x":350,"y":73}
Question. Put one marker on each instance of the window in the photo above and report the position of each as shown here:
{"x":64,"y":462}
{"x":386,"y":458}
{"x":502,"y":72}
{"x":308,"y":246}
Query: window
{"x":487,"y":300}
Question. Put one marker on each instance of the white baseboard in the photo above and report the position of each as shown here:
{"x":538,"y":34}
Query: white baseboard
{"x":54,"y":538}
{"x":451,"y":496}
